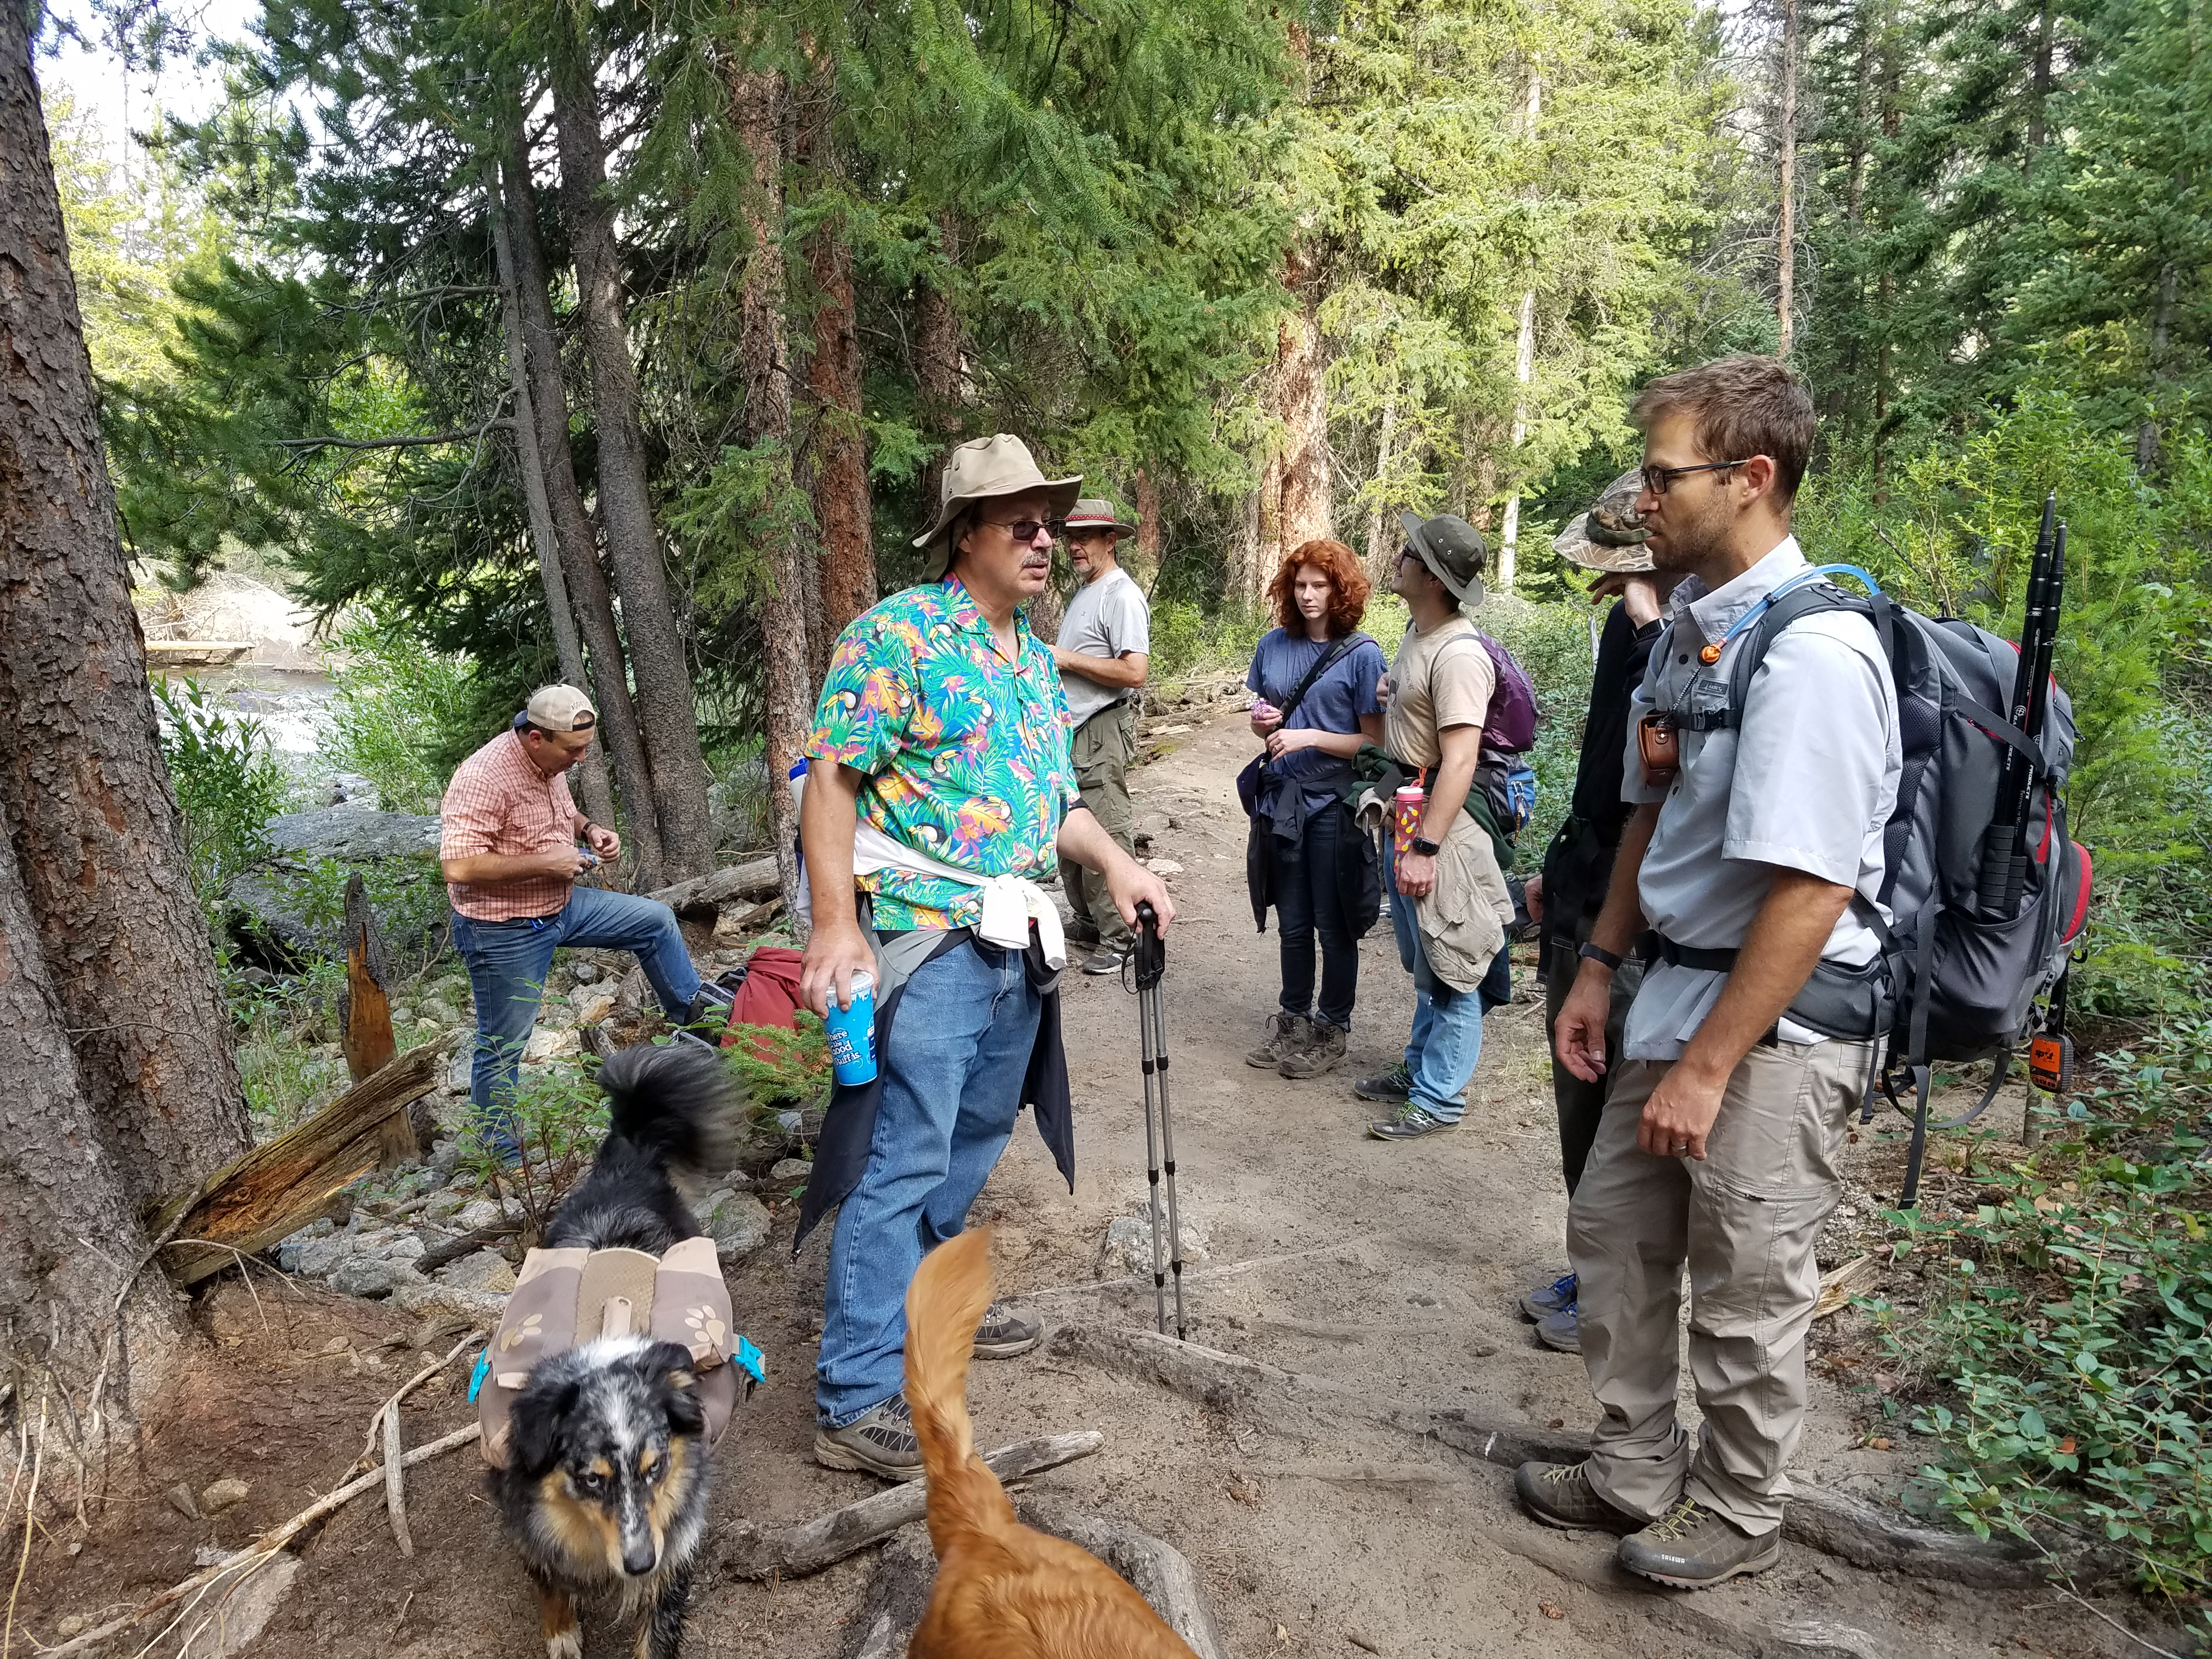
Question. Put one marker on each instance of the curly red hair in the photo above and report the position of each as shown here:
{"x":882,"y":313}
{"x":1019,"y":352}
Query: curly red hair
{"x":1347,"y":601}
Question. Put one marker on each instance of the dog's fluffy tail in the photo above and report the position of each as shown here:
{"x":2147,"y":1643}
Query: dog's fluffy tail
{"x":945,"y":1303}
{"x":674,"y":1105}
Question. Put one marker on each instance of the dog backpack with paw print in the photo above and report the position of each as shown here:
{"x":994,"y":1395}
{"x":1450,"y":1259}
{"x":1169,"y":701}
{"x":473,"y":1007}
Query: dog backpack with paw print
{"x":564,"y":1298}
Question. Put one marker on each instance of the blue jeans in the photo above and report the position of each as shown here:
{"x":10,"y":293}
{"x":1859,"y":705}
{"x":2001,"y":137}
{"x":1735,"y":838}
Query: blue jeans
{"x":1447,"y":1035}
{"x":508,"y":962}
{"x":952,"y":1069}
{"x":1309,"y":900}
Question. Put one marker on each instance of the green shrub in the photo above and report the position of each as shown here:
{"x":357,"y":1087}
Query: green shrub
{"x":228,"y":783}
{"x":399,"y":710}
{"x":560,"y":1117}
{"x":407,"y":896}
{"x":775,"y":1067}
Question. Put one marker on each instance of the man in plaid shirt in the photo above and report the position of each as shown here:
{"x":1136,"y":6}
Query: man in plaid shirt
{"x":507,"y":844}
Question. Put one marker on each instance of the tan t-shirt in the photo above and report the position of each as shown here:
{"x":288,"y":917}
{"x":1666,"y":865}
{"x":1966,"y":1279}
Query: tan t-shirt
{"x":1440,"y":679}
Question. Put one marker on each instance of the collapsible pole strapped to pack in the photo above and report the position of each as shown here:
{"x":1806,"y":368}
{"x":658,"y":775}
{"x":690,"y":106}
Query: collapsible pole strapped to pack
{"x":1150,"y":958}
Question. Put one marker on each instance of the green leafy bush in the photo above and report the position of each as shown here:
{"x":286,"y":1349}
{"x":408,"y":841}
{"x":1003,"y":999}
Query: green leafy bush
{"x":775,"y":1067}
{"x":227,"y":779}
{"x":2066,"y":1347}
{"x":559,"y":1119}
{"x":400,"y":711}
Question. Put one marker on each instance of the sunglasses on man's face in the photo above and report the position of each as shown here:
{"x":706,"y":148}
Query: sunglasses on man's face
{"x":1025,"y":530}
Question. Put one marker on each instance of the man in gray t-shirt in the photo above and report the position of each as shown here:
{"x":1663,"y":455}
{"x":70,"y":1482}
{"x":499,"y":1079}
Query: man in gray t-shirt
{"x":1102,"y":652}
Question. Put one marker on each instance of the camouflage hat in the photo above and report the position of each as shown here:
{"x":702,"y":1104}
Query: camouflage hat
{"x":1453,"y":550}
{"x":1610,"y":537}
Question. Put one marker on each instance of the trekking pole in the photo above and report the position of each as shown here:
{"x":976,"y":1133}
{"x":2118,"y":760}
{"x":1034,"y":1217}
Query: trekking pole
{"x":2038,"y":701}
{"x":2016,"y":777}
{"x":1149,"y":957}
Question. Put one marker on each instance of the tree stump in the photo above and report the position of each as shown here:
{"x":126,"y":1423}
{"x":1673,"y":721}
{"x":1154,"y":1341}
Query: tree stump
{"x":365,"y":1033}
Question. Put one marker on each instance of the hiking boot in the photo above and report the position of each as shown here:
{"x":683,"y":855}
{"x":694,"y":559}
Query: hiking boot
{"x":1287,"y":1035}
{"x":1081,"y":932}
{"x":1543,"y":1304}
{"x":1560,"y":1331}
{"x":1410,"y":1124}
{"x":1006,"y":1332}
{"x":1561,"y":1495}
{"x":1323,"y":1051}
{"x":1393,"y":1085}
{"x":880,"y":1440}
{"x":1691,"y":1547}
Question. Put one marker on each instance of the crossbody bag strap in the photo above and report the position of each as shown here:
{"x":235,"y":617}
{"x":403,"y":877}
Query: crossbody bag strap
{"x":1321,"y":665}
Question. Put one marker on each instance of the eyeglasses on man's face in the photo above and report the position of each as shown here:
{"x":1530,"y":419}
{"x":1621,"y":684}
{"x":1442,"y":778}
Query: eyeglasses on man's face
{"x":1657,"y":479}
{"x":1025,"y":530}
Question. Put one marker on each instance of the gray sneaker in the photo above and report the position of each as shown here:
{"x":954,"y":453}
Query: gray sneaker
{"x":1410,"y":1124}
{"x":1560,"y":1332}
{"x":880,"y":1440}
{"x":1691,"y":1547}
{"x":1006,"y":1332}
{"x":1104,"y":959}
{"x":1561,"y":1495}
{"x":1323,"y":1051}
{"x":1393,"y":1085}
{"x":1287,"y":1035}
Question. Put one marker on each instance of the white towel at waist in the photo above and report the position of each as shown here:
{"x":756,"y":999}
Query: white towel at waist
{"x":1010,"y":902}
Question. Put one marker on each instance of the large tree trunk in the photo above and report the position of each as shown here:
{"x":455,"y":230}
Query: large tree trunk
{"x":838,"y":473}
{"x":84,"y":791}
{"x":1785,"y":232}
{"x":940,"y":368}
{"x":669,"y":717}
{"x":1303,"y":406}
{"x":59,"y":1190}
{"x":1144,"y":559}
{"x":758,"y":102}
{"x":588,"y":592}
{"x":567,"y":644}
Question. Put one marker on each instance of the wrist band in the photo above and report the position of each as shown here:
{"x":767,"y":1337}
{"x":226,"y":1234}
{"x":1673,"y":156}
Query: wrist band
{"x":1600,"y":954}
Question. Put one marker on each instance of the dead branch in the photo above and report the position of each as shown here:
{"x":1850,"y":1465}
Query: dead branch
{"x":376,"y":1423}
{"x":395,"y":1481}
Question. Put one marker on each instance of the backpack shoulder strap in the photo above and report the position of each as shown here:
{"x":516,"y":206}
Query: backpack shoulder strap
{"x":1803,"y":595}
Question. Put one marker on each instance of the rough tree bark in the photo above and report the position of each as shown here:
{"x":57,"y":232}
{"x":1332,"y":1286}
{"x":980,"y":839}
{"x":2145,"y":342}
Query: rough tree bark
{"x":84,"y":792}
{"x":1303,"y":403}
{"x":837,"y":451}
{"x":1524,"y":358}
{"x":938,"y":369}
{"x":567,"y":644}
{"x":668,"y":716}
{"x":588,"y":592}
{"x":59,"y":1188}
{"x":1144,"y":559}
{"x":759,"y":102}
{"x":1785,"y":235}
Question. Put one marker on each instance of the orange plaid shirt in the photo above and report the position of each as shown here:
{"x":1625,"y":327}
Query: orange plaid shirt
{"x":500,"y":802}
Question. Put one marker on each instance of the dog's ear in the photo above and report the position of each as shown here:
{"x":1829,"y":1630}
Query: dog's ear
{"x":669,"y":1364}
{"x":541,"y":1427}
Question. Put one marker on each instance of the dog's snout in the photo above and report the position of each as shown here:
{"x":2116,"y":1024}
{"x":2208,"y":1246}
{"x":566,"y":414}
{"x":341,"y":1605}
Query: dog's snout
{"x":639,"y":1556}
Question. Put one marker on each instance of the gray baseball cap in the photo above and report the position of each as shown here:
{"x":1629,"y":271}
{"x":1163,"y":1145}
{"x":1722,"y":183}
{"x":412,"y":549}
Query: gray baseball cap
{"x":1610,"y":537}
{"x":1453,"y":550}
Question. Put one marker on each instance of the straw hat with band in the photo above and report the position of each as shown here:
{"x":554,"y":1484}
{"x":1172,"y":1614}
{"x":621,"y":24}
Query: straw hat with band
{"x":1610,"y":537}
{"x":1092,"y":513}
{"x":980,"y":469}
{"x":1453,"y":550}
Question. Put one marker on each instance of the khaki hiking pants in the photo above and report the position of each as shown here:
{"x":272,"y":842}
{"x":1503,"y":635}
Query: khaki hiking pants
{"x":1102,"y":747}
{"x":1744,"y":1220}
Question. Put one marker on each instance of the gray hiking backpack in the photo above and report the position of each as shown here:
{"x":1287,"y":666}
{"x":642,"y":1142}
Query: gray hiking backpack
{"x":1957,"y":976}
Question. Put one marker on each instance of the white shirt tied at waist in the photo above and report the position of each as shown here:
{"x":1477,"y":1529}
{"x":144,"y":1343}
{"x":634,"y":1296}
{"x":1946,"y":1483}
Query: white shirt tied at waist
{"x":1010,"y":902}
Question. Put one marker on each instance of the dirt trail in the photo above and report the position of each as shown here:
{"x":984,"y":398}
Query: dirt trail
{"x":1388,"y":1271}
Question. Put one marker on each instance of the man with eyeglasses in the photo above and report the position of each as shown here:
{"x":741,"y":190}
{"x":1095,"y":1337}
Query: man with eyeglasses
{"x":1753,"y":854}
{"x":939,"y":788}
{"x":1102,"y":654}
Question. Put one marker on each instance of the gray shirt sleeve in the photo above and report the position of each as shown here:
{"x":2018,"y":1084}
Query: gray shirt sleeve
{"x":1126,"y":620}
{"x":1813,"y":776}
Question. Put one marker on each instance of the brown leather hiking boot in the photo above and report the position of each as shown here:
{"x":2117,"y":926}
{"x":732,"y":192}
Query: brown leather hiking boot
{"x":1691,"y":1547}
{"x":1323,"y":1051}
{"x":1287,"y":1035}
{"x":1561,"y":1495}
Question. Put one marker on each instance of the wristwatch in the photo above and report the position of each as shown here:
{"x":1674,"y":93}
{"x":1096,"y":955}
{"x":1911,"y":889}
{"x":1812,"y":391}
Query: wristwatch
{"x":1427,"y":849}
{"x":1599,"y":953}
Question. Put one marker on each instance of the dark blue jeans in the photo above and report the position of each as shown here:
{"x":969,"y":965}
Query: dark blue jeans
{"x":508,"y":962}
{"x":1309,"y":902}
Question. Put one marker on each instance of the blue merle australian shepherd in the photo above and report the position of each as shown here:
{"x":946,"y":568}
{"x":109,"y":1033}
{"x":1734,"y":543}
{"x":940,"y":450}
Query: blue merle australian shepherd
{"x":605,"y":1489}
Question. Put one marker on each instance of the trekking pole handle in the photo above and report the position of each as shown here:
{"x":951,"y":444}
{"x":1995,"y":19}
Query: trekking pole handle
{"x":1150,"y":953}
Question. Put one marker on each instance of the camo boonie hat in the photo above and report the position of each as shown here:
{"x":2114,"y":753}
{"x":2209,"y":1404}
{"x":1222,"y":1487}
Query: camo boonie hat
{"x":1610,"y":537}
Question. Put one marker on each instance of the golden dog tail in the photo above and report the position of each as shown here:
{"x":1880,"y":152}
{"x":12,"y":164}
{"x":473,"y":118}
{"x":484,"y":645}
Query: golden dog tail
{"x":945,"y":1303}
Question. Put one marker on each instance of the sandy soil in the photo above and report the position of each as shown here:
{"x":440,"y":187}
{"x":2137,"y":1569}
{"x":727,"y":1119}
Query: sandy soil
{"x":1387,"y":1269}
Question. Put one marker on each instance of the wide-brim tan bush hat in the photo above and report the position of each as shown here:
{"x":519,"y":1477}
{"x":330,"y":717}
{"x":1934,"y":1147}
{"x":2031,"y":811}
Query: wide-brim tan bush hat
{"x":1610,"y":537}
{"x":980,"y":470}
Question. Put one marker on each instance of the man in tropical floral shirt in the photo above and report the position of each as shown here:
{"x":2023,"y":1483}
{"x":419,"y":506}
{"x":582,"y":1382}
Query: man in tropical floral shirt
{"x":939,"y":788}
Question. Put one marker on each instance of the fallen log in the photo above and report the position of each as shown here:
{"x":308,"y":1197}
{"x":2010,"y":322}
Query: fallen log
{"x":701,"y":898}
{"x":279,"y":1187}
{"x":1156,"y":1569}
{"x":797,"y":1551}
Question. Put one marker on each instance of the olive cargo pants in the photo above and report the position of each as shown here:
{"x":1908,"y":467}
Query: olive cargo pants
{"x":1744,"y":1221}
{"x":1102,"y":748}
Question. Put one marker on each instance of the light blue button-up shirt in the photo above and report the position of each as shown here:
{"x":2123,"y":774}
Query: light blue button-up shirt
{"x":1806,"y":783}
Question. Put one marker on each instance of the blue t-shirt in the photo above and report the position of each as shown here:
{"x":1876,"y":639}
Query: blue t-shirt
{"x":1334,"y":703}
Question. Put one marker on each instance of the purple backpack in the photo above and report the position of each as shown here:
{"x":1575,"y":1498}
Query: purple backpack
{"x":1511,"y":723}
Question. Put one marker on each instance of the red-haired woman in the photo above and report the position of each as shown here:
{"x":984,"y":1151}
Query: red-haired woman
{"x":1320,"y":854}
